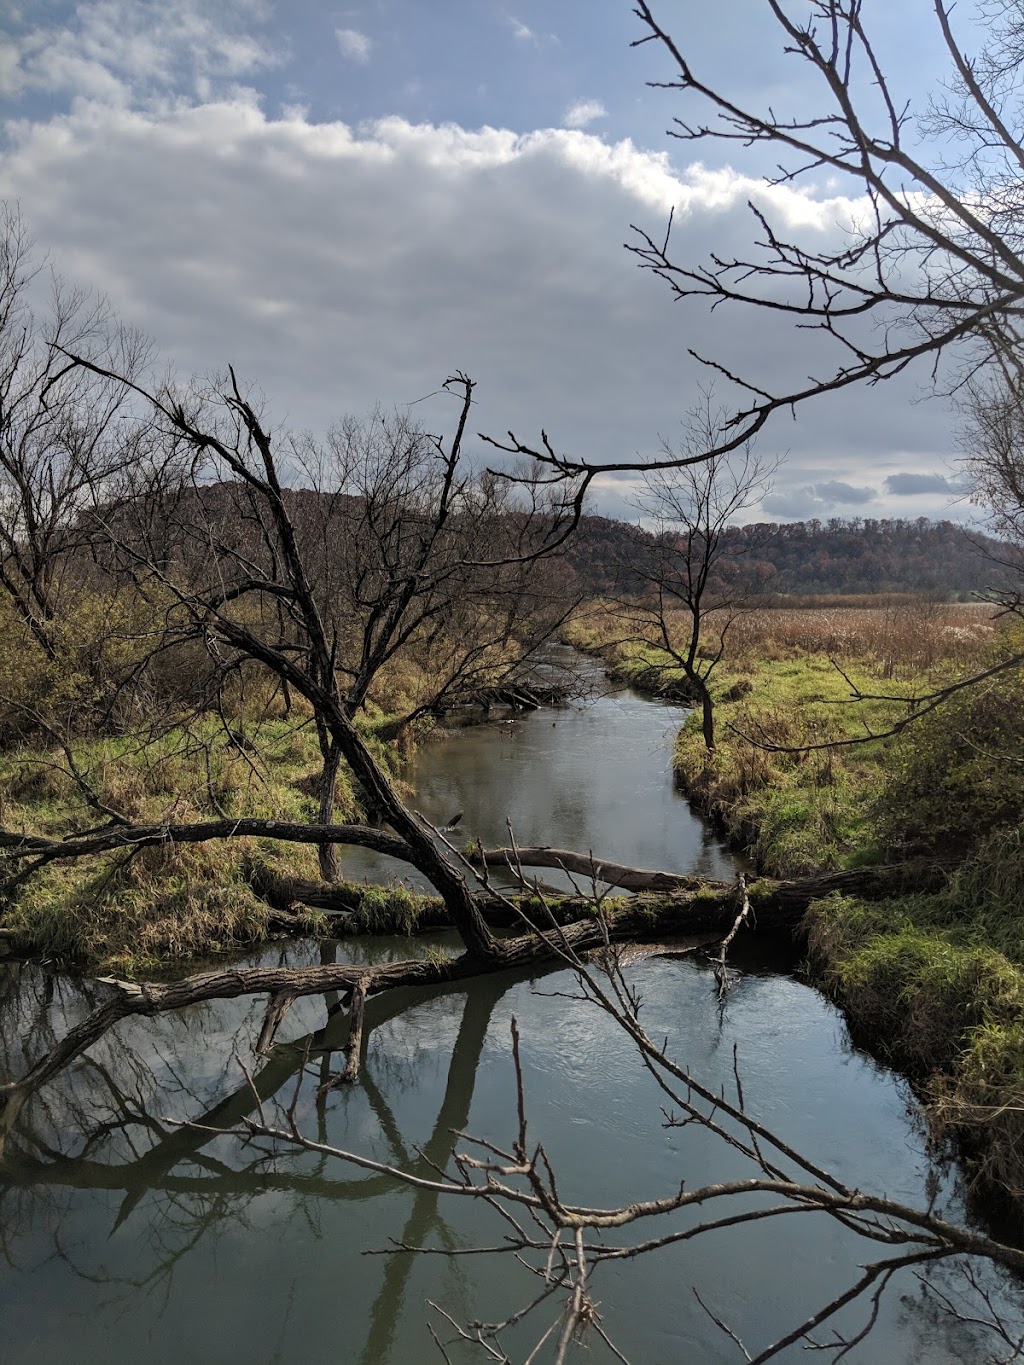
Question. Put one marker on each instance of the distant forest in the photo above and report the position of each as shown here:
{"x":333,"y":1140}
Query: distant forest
{"x":860,"y":555}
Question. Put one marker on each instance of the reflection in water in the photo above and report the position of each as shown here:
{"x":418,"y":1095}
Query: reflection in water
{"x":107,"y":1127}
{"x":596,"y":777}
{"x":124,"y":1233}
{"x":118,"y":1226}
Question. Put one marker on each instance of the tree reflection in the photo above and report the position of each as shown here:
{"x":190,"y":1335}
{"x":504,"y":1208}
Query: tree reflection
{"x":113,"y":1122}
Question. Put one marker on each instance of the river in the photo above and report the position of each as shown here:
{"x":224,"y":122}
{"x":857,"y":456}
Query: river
{"x":125,"y":1236}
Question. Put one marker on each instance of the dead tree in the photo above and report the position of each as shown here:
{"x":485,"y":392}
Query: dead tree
{"x":934,"y":260}
{"x":422,"y":561}
{"x":250,"y":570}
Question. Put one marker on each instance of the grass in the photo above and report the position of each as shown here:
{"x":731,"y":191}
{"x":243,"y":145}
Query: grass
{"x":935,"y":984}
{"x":135,"y":912}
{"x":388,"y":909}
{"x":892,"y":637}
{"x":792,"y":812}
{"x":790,"y":805}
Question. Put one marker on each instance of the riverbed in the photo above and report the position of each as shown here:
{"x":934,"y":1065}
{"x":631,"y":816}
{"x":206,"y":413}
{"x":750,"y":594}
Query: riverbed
{"x":125,"y":1235}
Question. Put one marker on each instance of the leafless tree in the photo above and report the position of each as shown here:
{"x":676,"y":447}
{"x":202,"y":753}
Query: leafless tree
{"x":423,"y":559}
{"x":993,"y":462}
{"x":266,"y":577}
{"x":930,"y":271}
{"x":62,"y":445}
{"x":700,"y":579}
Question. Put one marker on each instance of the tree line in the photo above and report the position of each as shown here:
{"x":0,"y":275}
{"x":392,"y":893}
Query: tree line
{"x":851,"y":555}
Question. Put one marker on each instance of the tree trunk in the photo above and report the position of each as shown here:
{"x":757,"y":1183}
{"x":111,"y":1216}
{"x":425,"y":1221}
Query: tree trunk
{"x":708,"y":717}
{"x":330,"y":866}
{"x":424,"y":853}
{"x":667,"y":903}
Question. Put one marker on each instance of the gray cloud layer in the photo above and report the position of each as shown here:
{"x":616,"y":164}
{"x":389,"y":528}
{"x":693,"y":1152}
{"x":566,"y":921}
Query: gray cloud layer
{"x":335,"y":266}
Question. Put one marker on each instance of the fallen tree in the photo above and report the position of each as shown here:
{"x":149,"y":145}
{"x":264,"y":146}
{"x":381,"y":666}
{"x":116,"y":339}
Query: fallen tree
{"x":571,"y":925}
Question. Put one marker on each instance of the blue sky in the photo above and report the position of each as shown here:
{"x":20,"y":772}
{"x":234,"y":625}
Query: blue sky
{"x":348,"y":202}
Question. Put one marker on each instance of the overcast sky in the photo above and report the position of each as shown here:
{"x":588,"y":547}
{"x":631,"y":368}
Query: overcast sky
{"x":349,"y":202}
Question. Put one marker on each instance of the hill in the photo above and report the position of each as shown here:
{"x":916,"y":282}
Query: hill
{"x":860,"y":555}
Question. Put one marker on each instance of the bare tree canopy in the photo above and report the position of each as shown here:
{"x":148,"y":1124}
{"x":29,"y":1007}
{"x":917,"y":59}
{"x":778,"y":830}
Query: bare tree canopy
{"x":928,"y":269}
{"x":695,"y":587}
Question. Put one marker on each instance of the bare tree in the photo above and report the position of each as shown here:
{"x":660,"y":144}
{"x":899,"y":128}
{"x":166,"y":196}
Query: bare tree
{"x":930,"y":271}
{"x":259,"y":575}
{"x":993,"y":462}
{"x":422,"y":560}
{"x":700,"y":578}
{"x":62,"y":445}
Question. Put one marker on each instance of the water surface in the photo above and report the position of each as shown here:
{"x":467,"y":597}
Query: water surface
{"x":124,"y":1236}
{"x":592,"y":777}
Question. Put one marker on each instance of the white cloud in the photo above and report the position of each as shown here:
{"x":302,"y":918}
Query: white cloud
{"x":524,"y":34}
{"x":118,"y":51}
{"x":336,"y":266}
{"x":583,"y":113}
{"x":521,"y":30}
{"x":354,"y":45}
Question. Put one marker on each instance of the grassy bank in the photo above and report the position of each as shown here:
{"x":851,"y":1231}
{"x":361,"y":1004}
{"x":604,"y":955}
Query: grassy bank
{"x":783,"y":690}
{"x":143,"y":910}
{"x":934,"y":984}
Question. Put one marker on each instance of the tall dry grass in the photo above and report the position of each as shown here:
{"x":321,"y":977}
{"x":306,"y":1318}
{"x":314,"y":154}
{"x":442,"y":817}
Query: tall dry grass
{"x":896,"y":638}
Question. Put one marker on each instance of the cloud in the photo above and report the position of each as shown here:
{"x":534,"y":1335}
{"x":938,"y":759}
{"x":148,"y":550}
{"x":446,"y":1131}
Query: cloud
{"x":836,"y":491}
{"x":337,"y":265}
{"x":521,"y":31}
{"x":354,"y":45}
{"x":910,"y":485}
{"x":584,"y":112}
{"x":795,"y":504}
{"x":121,"y":51}
{"x":829,"y":497}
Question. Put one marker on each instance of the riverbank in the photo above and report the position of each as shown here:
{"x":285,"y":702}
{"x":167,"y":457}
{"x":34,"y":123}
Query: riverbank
{"x":559,"y":776}
{"x":144,"y":911}
{"x":933,"y":981}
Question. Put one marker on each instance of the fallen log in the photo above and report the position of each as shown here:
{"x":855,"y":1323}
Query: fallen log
{"x":710,"y":907}
{"x":585,"y":865}
{"x":687,"y":903}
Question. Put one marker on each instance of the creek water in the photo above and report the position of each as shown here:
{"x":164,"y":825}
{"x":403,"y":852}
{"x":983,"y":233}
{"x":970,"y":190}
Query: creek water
{"x":124,"y":1236}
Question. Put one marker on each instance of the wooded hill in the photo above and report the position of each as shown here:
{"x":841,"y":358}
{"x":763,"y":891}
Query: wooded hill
{"x":859,"y":555}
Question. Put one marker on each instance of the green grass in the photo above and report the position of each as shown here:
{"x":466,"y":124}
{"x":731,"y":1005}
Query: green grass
{"x":793,"y":812}
{"x":139,"y":913}
{"x":391,"y":909}
{"x":935,"y":984}
{"x":172,"y":902}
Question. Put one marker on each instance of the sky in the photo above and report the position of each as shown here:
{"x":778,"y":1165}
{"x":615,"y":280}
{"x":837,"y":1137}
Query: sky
{"x":348,"y":203}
